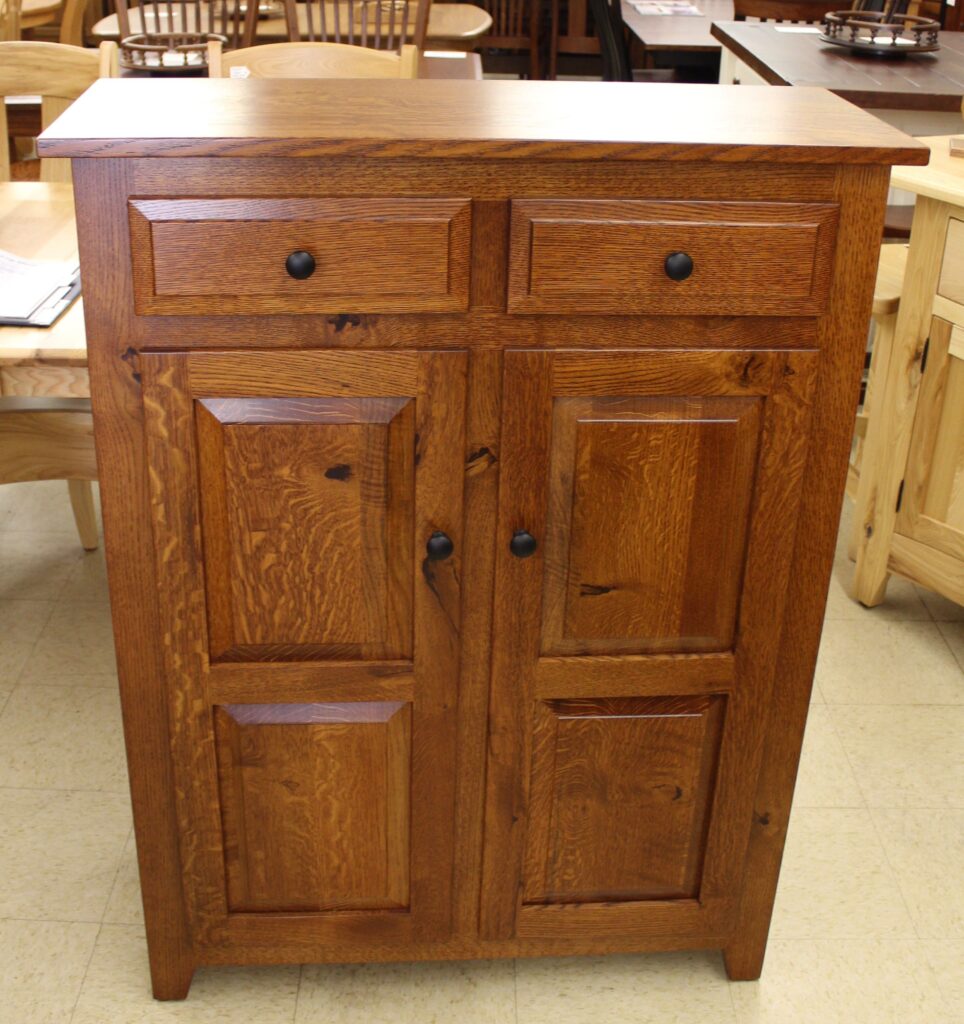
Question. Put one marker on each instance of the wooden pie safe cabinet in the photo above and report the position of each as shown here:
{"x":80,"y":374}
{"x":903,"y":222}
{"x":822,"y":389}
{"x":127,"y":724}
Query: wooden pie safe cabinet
{"x":471,"y":460}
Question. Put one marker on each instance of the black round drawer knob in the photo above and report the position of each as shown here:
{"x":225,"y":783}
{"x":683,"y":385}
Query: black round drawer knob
{"x":300,"y":265}
{"x":439,"y":546}
{"x":523,"y":544}
{"x":678,"y":266}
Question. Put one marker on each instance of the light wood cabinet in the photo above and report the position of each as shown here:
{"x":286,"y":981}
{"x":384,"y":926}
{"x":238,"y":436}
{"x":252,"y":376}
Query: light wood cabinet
{"x":470,"y":500}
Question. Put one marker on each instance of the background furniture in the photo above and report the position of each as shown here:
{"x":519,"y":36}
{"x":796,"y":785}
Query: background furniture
{"x":458,"y":564}
{"x":512,"y":42}
{"x":158,"y":20}
{"x":40,"y":438}
{"x":313,"y":60}
{"x":614,"y":47}
{"x":910,"y":498}
{"x":451,"y":25}
{"x":56,"y":73}
{"x":9,"y":20}
{"x":371,"y":23}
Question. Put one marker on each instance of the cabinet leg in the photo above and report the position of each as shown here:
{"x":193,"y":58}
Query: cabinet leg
{"x":171,"y":978}
{"x":743,"y":959}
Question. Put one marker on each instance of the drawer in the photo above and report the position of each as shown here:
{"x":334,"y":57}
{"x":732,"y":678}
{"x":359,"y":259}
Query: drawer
{"x":228,"y":256}
{"x":608,"y":256}
{"x":951,"y":283}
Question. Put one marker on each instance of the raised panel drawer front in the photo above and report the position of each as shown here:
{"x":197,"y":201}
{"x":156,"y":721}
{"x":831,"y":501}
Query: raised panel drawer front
{"x":610,"y":256}
{"x":311,"y":627}
{"x":231,"y":256}
{"x":659,"y":492}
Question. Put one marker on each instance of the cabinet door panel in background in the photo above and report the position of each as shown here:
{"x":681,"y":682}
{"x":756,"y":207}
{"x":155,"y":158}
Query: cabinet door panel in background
{"x":635,"y":648}
{"x":311,"y":647}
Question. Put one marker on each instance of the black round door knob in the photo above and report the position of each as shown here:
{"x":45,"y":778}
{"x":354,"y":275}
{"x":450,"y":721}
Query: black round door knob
{"x":523,"y":544}
{"x":300,"y":265}
{"x":678,"y":266}
{"x":439,"y":546}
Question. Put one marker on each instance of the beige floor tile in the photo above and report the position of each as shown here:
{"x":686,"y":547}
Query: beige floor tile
{"x":675,"y":988}
{"x":482,"y":992}
{"x":843,"y":982}
{"x":77,"y":638}
{"x":824,"y":778}
{"x":59,"y":852}
{"x":36,"y":566}
{"x":117,"y":989}
{"x":44,"y":507}
{"x":21,"y":623}
{"x":926,"y":852}
{"x":905,"y":756}
{"x":124,"y":905}
{"x":883,"y":662}
{"x":41,"y":969}
{"x":953,"y":633}
{"x":940,"y":608}
{"x":56,"y":737}
{"x":946,"y":957}
{"x":88,"y":579}
{"x":902,"y":602}
{"x":835,"y":881}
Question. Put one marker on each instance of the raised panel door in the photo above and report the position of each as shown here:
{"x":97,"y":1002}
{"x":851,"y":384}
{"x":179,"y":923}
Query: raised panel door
{"x":636,"y":645}
{"x":311,"y":642}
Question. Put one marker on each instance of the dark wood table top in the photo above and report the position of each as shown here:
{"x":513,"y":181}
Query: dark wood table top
{"x":928,"y":81}
{"x":675,"y":32}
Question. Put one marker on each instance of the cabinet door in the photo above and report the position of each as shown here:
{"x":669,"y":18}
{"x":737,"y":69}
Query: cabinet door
{"x":310,"y":642}
{"x":929,"y":540}
{"x":635,"y":647}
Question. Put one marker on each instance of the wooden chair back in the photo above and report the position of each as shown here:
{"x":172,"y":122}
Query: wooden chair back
{"x":312,"y":60}
{"x":575,"y":32}
{"x":162,"y":18}
{"x":376,"y":24}
{"x":72,"y":16}
{"x":58,"y":74}
{"x":513,"y":42}
{"x":9,"y":20}
{"x":786,"y":10}
{"x":608,"y":18}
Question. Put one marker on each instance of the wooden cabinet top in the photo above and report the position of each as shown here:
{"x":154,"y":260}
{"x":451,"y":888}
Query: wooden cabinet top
{"x":493,"y":119}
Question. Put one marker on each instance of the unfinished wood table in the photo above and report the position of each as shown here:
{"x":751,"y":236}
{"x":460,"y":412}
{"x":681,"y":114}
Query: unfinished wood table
{"x":37,"y":222}
{"x":910,"y":497}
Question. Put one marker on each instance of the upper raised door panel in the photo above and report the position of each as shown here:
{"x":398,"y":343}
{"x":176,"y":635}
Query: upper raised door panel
{"x":609,"y":256}
{"x":230,"y":256}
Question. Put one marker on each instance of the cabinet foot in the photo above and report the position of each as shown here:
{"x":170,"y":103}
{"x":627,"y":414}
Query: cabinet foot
{"x":743,"y":960}
{"x":171,"y":981}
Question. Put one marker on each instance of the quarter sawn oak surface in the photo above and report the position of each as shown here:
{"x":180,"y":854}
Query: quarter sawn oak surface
{"x":468,"y":587}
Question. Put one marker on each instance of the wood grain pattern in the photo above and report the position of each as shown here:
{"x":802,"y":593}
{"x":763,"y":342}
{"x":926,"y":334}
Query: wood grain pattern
{"x":647,"y":525}
{"x":372,"y":255}
{"x":500,"y":120}
{"x":619,"y":798}
{"x":315,"y":805}
{"x":951,"y":282}
{"x":308,"y":526}
{"x":747,"y":258}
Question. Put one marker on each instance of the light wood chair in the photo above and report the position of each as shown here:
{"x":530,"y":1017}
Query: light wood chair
{"x":312,"y":60}
{"x":56,"y":73}
{"x":377,"y":24}
{"x":9,"y":20}
{"x":52,"y":439}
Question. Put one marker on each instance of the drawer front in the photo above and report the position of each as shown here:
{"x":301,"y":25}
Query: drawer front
{"x":608,"y":256}
{"x":203,"y":256}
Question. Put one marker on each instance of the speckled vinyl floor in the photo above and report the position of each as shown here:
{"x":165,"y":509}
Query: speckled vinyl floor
{"x":869,"y":922}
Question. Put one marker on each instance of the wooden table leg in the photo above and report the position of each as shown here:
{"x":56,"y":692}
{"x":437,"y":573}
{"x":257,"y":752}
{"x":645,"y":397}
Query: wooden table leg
{"x":897,"y":379}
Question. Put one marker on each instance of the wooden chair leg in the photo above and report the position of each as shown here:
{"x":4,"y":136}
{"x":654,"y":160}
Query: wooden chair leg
{"x":85,"y":515}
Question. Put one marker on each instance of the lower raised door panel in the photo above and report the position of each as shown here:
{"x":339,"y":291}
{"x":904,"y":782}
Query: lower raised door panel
{"x":315,"y":805}
{"x":619,"y":798}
